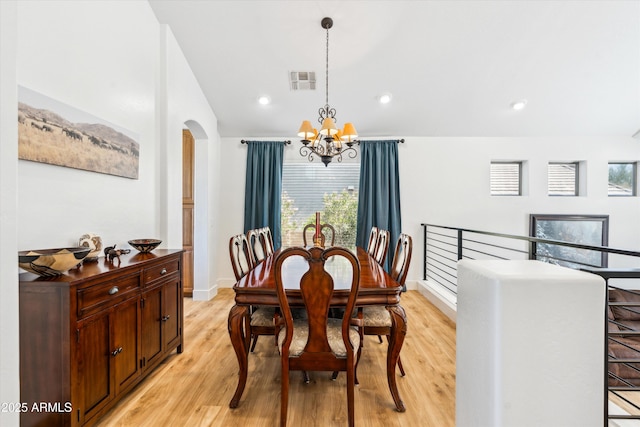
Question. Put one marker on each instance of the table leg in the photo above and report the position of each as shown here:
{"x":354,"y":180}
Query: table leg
{"x":240,"y":333}
{"x":398,"y":332}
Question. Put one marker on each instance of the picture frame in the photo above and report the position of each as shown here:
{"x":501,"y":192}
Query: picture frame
{"x":52,"y":132}
{"x":589,"y":230}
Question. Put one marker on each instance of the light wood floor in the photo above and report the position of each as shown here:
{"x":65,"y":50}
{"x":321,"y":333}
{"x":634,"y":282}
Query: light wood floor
{"x":194,"y":388}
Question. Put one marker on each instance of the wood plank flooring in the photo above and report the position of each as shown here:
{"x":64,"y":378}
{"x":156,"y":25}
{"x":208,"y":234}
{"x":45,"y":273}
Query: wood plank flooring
{"x":194,"y":388}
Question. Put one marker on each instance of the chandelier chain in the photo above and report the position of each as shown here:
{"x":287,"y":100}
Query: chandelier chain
{"x":327,"y":71}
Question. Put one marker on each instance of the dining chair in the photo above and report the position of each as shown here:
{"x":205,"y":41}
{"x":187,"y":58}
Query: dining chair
{"x":261,"y":317}
{"x":318,"y":343}
{"x":382,"y":246}
{"x":323,"y":235}
{"x":256,"y":246}
{"x":373,"y":240}
{"x":377,"y":320}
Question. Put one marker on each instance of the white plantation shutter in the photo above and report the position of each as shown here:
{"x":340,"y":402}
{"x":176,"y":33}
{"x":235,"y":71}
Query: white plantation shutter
{"x":506,"y":178}
{"x":563,"y":179}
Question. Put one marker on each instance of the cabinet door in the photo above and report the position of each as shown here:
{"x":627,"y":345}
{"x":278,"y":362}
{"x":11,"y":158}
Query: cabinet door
{"x":125,"y":349}
{"x":171,"y":314}
{"x":151,"y":326}
{"x":96,"y":388}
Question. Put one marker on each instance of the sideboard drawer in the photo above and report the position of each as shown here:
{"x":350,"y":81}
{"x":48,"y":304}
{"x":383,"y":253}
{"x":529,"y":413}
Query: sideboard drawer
{"x":161,"y":270}
{"x":94,"y":298}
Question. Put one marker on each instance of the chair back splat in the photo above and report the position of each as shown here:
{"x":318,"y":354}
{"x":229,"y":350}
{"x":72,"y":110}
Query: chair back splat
{"x":266,"y":238}
{"x":373,"y":241}
{"x":257,"y":248}
{"x":401,"y":258}
{"x":324,"y":228}
{"x":382,"y":246}
{"x":318,"y":343}
{"x":240,"y":254}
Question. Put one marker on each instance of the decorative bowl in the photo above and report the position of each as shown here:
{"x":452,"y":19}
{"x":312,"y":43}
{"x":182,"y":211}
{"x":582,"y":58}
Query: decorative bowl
{"x":52,"y":262}
{"x":145,"y":245}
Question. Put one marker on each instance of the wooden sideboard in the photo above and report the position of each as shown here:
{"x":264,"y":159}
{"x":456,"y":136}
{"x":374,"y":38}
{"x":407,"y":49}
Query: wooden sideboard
{"x":87,"y":337}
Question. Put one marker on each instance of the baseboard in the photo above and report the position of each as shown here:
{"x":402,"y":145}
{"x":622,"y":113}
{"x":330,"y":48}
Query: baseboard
{"x":205,"y":295}
{"x":439,"y":296}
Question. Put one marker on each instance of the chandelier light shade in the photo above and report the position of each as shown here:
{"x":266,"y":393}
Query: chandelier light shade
{"x":328,"y":142}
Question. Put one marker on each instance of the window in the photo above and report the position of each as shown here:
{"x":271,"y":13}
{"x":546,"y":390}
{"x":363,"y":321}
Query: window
{"x":591,"y":230}
{"x":308,"y":188}
{"x":622,"y":179}
{"x":563,"y":179}
{"x":506,"y":178}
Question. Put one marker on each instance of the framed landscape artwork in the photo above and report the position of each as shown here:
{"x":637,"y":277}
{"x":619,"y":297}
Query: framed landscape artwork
{"x":52,"y":132}
{"x":589,"y":230}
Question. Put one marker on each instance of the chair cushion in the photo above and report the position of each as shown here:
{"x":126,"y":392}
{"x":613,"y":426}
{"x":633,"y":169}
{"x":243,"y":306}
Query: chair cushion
{"x":377,"y":316}
{"x":334,"y":336}
{"x":263,"y":316}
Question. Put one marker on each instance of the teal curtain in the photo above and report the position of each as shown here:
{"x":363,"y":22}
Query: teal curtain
{"x":263,"y":187}
{"x":379,"y":193}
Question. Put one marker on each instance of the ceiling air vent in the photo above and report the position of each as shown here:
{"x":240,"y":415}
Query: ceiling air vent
{"x":302,"y":80}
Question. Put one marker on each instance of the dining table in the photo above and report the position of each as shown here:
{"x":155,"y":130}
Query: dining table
{"x":258,"y":287}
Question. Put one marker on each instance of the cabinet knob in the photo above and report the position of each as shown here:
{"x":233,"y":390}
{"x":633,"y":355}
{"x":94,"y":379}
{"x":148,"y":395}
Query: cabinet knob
{"x":117,"y":351}
{"x":164,"y":271}
{"x":165,"y":318}
{"x":113,"y":290}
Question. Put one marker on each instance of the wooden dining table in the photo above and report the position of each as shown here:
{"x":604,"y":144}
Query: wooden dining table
{"x":258,"y":288}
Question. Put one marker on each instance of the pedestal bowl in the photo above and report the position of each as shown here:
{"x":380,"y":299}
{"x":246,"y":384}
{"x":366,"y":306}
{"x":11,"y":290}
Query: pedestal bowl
{"x":52,"y":262}
{"x":145,"y":245}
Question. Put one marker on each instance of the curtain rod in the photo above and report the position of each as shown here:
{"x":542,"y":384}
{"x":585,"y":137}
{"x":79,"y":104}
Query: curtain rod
{"x":399,"y":141}
{"x":287,"y":142}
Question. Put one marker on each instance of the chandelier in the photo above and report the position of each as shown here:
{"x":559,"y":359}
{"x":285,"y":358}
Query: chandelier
{"x":330,"y":142}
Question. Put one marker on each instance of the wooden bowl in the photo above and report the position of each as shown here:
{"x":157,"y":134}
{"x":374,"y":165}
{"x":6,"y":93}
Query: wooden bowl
{"x":145,"y":245}
{"x":52,"y":262}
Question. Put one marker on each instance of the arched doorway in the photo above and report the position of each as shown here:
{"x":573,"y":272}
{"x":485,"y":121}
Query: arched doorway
{"x":195,"y":210}
{"x":188,"y":210}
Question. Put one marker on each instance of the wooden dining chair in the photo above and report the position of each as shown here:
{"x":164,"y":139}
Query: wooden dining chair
{"x":318,"y":343}
{"x":382,"y":246}
{"x":323,"y":235}
{"x":262,"y":317}
{"x":373,"y":241}
{"x":377,"y":320}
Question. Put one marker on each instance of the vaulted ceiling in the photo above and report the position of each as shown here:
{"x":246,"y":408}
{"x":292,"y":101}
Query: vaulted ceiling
{"x":453,"y":68}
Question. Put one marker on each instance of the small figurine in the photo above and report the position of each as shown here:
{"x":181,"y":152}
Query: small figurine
{"x":110,"y":252}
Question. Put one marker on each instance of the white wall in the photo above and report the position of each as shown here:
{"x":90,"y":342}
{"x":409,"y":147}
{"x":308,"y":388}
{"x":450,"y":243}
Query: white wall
{"x":9,"y":357}
{"x":74,"y":53}
{"x":113,"y":60}
{"x":445,"y":181}
{"x":188,"y":108}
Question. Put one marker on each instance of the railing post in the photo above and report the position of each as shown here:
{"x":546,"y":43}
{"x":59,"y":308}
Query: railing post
{"x":424,"y":264}
{"x":459,"y":245}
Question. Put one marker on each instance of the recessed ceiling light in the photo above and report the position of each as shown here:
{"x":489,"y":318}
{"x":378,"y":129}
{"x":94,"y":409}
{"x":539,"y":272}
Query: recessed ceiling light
{"x":264,"y":100}
{"x":385,"y":98}
{"x":519,"y":105}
